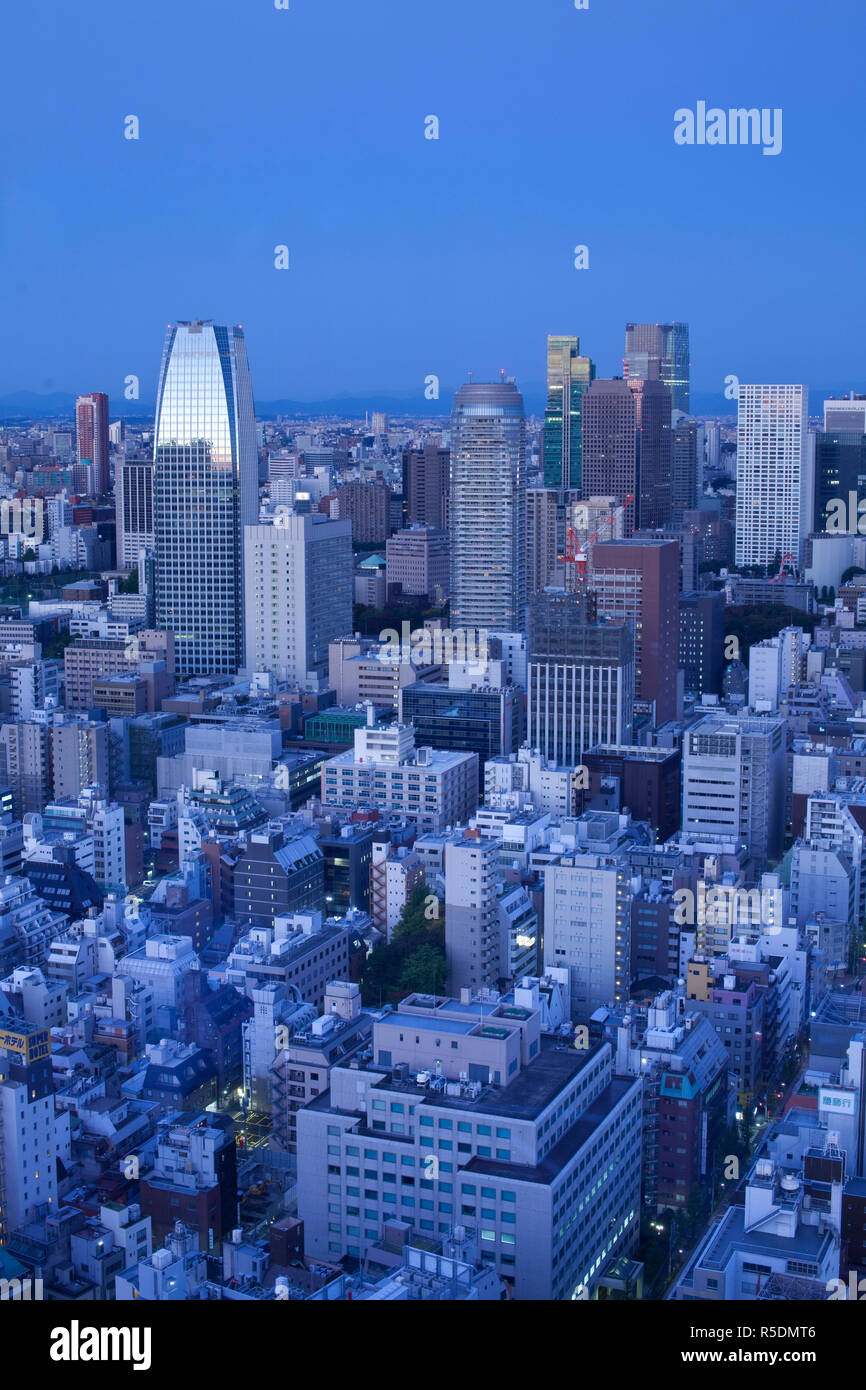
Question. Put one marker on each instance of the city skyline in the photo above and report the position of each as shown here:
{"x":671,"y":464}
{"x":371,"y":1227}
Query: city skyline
{"x":433,"y":691}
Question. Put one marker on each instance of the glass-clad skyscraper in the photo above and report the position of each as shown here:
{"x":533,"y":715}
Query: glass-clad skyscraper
{"x":568,"y":376}
{"x":488,"y":507}
{"x":840,"y":469}
{"x":666,"y":343}
{"x":205,"y":492}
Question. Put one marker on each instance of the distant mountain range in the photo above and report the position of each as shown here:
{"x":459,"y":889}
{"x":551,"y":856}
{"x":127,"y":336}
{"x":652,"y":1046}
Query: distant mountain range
{"x":33,"y":405}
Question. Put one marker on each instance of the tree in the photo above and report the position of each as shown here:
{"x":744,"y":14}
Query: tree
{"x":850,"y":572}
{"x":414,"y":917}
{"x":696,"y":1204}
{"x":388,"y":963}
{"x":426,"y":971}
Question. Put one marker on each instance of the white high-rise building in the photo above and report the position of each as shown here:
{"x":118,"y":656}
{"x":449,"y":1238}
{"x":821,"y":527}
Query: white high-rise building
{"x":33,"y":1135}
{"x":773,"y":473}
{"x":774,"y":665}
{"x":488,"y":507}
{"x":205,"y":493}
{"x":298,"y":595}
{"x":471,"y":912}
{"x":734,"y":782}
{"x":587,"y":926}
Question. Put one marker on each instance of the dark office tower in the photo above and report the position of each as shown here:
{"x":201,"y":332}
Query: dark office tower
{"x":684,"y":468}
{"x":488,"y":507}
{"x":368,"y":507}
{"x":133,"y":499}
{"x":609,"y":467}
{"x":840,"y":468}
{"x":638,"y":580}
{"x":666,"y":343}
{"x":568,"y":376}
{"x":91,"y":424}
{"x":652,"y":401}
{"x":580,"y":680}
{"x":425,"y":486}
{"x":205,"y":492}
{"x":702,"y":640}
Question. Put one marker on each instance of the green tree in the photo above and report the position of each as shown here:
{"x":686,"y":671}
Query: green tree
{"x":418,"y":914}
{"x":426,"y":971}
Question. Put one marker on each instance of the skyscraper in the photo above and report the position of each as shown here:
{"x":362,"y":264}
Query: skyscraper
{"x":580,"y":686}
{"x":684,"y":468}
{"x":133,"y":495}
{"x":668,"y":344}
{"x":298,"y":587}
{"x":549,"y":513}
{"x":568,"y":376}
{"x":205,"y":492}
{"x":488,"y":507}
{"x":773,"y":493}
{"x":840,"y":469}
{"x":652,"y":400}
{"x":637,"y":580}
{"x":610,"y":446}
{"x":425,"y":486}
{"x":91,"y":424}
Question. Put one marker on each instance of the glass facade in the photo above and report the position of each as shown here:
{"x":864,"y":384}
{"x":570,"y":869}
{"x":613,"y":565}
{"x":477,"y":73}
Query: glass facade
{"x":568,"y":375}
{"x":205,"y":491}
{"x":488,"y":508}
{"x":667,"y":344}
{"x":840,"y":468}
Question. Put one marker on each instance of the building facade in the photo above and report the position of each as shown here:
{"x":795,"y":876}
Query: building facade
{"x":205,"y":493}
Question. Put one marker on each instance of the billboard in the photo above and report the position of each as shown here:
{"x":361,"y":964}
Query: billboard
{"x":30,"y":1046}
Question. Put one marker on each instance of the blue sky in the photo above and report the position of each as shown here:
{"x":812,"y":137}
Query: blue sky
{"x":408,"y":256}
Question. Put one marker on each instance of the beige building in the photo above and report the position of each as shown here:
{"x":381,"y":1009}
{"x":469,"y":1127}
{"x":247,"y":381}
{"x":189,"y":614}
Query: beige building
{"x":386,"y":770}
{"x":361,"y":669}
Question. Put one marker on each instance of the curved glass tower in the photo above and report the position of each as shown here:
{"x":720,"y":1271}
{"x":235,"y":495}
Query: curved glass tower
{"x":205,"y":492}
{"x":488,"y":508}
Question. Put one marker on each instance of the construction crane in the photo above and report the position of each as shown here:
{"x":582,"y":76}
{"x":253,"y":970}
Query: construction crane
{"x":787,"y":568}
{"x":575,"y":554}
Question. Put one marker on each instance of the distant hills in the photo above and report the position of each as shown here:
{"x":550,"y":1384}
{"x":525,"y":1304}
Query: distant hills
{"x":33,"y":405}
